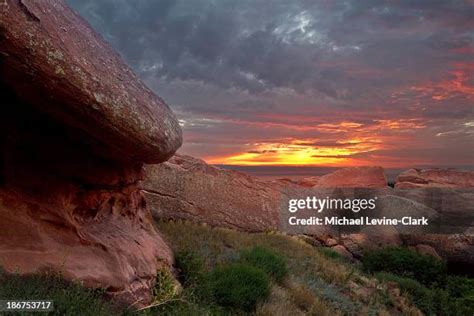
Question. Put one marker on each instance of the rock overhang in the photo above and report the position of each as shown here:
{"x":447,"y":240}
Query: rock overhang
{"x":76,"y":127}
{"x":55,"y":62}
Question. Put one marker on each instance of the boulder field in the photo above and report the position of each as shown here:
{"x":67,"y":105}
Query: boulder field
{"x":436,"y":178}
{"x":76,"y":128}
{"x":187,"y":188}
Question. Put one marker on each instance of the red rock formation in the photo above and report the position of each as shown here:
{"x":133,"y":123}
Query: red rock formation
{"x":187,"y":188}
{"x":76,"y":126}
{"x":353,"y":177}
{"x":415,"y":178}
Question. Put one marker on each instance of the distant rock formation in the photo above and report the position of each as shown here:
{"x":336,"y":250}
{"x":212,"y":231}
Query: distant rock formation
{"x":353,"y":177}
{"x":76,"y":127}
{"x":446,"y":178}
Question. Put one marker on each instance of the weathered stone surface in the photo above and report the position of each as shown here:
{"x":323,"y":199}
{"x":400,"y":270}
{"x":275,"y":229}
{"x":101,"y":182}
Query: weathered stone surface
{"x":456,"y":249}
{"x":416,"y":178}
{"x":356,"y":243}
{"x":308,"y":181}
{"x":58,"y":64}
{"x":76,"y":126}
{"x":342,"y":251}
{"x":353,"y":177}
{"x":454,"y":206}
{"x":330,"y":242}
{"x":187,"y":188}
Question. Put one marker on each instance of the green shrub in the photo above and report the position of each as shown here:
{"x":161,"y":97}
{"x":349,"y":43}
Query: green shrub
{"x":165,"y":288}
{"x":407,"y":263}
{"x":455,"y":299}
{"x":272,"y":263}
{"x":462,"y":289}
{"x":239,"y":286}
{"x":191,"y":267}
{"x":429,"y":301}
{"x":329,"y":253}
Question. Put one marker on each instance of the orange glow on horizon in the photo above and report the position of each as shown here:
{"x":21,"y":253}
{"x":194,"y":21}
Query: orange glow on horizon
{"x":355,"y":150}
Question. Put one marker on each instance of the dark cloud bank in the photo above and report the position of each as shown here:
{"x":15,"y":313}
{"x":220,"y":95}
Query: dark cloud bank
{"x":240,"y":74}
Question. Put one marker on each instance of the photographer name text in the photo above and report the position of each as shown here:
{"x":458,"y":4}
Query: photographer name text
{"x":360,"y":221}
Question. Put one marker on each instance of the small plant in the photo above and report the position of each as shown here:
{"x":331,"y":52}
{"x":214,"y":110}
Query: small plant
{"x":165,"y":289}
{"x":190,"y":266}
{"x":302,"y":297}
{"x":239,"y":286}
{"x":270,"y":262}
{"x":407,"y":263}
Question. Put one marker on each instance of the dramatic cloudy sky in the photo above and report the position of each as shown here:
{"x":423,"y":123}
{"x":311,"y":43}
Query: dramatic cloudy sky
{"x":333,"y":83}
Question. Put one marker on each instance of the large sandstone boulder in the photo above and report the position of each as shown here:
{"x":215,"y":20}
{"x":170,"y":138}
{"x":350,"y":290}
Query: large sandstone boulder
{"x":76,"y":126}
{"x":187,"y":188}
{"x":59,"y":65}
{"x":416,"y":178}
{"x":353,"y":177}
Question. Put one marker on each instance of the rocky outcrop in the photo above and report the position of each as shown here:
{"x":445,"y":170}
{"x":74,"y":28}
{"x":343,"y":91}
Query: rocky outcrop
{"x":457,"y":249}
{"x":342,"y":251}
{"x":427,"y":251}
{"x":451,"y":193}
{"x":187,"y":188}
{"x":444,"y":178}
{"x":353,"y":177}
{"x":76,"y":126}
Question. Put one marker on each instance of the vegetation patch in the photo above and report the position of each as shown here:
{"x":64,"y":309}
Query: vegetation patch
{"x":406,"y":263}
{"x":267,"y":260}
{"x":239,"y":286}
{"x":226,"y":272}
{"x":423,"y":279}
{"x":68,"y":298}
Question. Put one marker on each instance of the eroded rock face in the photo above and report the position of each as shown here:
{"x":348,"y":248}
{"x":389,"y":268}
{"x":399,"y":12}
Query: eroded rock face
{"x":76,"y":126}
{"x":445,"y":178}
{"x":187,"y":188}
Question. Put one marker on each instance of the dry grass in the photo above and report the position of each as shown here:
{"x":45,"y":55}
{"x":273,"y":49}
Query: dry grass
{"x":317,"y":285}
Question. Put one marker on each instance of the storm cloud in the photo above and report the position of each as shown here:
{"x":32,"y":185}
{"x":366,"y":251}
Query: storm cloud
{"x":367,"y":78}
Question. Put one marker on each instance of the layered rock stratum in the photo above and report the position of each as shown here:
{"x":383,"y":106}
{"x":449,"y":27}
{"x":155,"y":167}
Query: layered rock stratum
{"x":76,"y":127}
